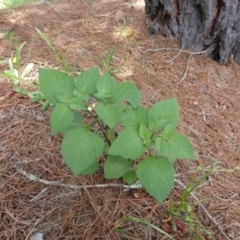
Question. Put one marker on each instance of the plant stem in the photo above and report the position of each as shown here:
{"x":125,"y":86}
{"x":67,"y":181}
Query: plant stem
{"x":101,"y":126}
{"x":104,"y":133}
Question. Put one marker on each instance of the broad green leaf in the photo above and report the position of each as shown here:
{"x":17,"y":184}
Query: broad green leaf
{"x":127,"y":91}
{"x":134,"y":117}
{"x":105,"y":86}
{"x":128,"y":145}
{"x":144,"y":132}
{"x":52,"y":81}
{"x":109,"y":113}
{"x":76,"y":122}
{"x":178,"y":146}
{"x":77,"y":104}
{"x":141,"y":114}
{"x":115,"y":166}
{"x":86,"y":82}
{"x":80,"y":149}
{"x":156,"y":174}
{"x":61,"y":117}
{"x":91,"y":169}
{"x":163,"y":113}
{"x":130,"y":177}
{"x":129,"y":118}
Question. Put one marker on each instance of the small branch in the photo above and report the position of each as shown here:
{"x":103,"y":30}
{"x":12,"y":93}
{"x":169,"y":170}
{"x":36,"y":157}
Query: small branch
{"x":205,"y":211}
{"x":115,"y":185}
{"x":185,"y":73}
{"x":175,"y":57}
{"x":76,"y":187}
{"x":172,"y":49}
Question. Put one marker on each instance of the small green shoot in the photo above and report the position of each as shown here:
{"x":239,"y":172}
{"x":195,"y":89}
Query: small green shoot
{"x":16,"y":77}
{"x":184,"y":210}
{"x":139,"y":220}
{"x":60,"y":57}
{"x":105,"y":63}
{"x":14,"y":74}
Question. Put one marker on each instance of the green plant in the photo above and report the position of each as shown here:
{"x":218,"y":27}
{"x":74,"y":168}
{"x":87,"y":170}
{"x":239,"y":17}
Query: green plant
{"x":136,"y":143}
{"x":60,"y":57}
{"x":9,"y":35}
{"x":13,"y":74}
{"x":14,"y":3}
{"x":105,"y":63}
{"x":183,"y":211}
{"x":139,"y":220}
{"x":16,"y":77}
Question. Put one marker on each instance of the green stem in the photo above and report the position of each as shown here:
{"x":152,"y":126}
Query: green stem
{"x":101,"y":126}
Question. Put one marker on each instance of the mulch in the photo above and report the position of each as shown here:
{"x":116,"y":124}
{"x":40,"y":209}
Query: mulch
{"x":208,"y":95}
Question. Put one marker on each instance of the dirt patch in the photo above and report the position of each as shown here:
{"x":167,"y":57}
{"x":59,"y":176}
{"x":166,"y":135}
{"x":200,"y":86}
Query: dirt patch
{"x":208,"y":95}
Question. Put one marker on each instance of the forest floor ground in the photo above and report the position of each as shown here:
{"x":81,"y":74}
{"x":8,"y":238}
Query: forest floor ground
{"x":209,"y":100}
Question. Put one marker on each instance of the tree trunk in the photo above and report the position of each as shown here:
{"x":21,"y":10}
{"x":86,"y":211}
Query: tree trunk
{"x":201,"y":25}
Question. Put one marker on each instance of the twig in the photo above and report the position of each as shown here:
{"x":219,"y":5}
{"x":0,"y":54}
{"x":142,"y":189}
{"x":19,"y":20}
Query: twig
{"x":60,"y":184}
{"x":174,"y":49}
{"x":39,"y":195}
{"x":126,"y":188}
{"x":185,"y":73}
{"x":171,"y":49}
{"x":175,"y":57}
{"x":205,"y":210}
{"x":107,"y":14}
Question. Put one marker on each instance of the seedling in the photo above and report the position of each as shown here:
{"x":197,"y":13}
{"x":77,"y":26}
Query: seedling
{"x":182,"y":214}
{"x":105,"y":63}
{"x":13,"y":74}
{"x":60,"y":57}
{"x":135,"y":142}
{"x":16,"y":77}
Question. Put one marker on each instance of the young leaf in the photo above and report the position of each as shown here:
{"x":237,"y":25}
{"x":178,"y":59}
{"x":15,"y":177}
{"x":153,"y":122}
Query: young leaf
{"x":128,"y":145}
{"x":177,"y":146}
{"x":27,"y":70}
{"x":163,"y":113}
{"x":91,"y":169}
{"x":109,"y":113}
{"x":80,"y":149}
{"x":134,"y":117}
{"x":86,"y":82}
{"x":129,"y":92}
{"x":77,"y":104}
{"x":105,"y":86}
{"x":148,"y":143}
{"x":144,"y":132}
{"x":130,"y":177}
{"x":115,"y":166}
{"x":156,"y":174}
{"x":53,"y":81}
{"x":61,"y":117}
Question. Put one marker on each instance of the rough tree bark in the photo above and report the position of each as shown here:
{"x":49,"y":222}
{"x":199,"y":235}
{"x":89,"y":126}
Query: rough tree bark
{"x":211,"y":25}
